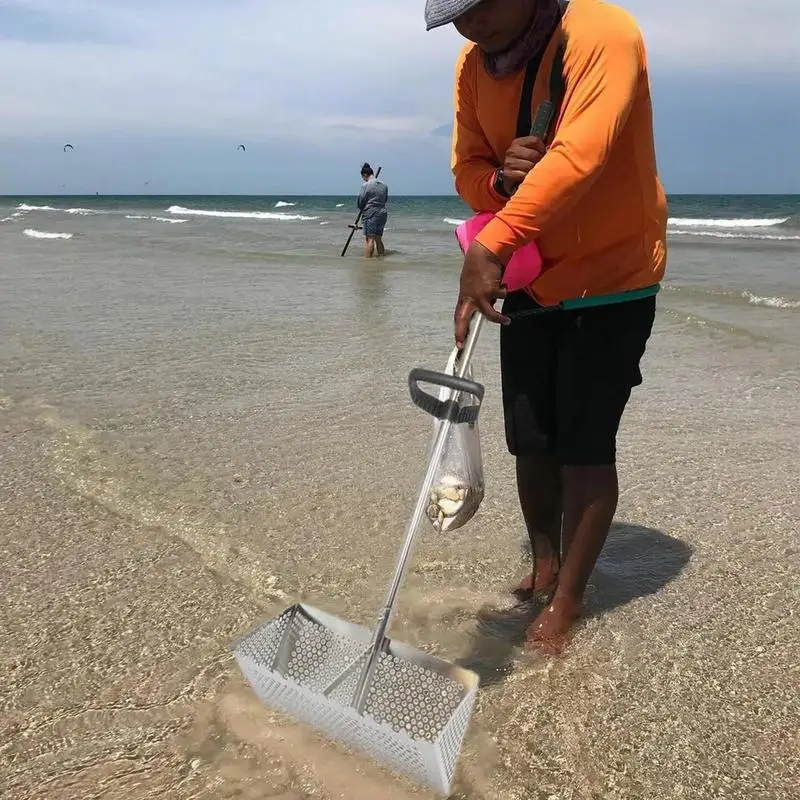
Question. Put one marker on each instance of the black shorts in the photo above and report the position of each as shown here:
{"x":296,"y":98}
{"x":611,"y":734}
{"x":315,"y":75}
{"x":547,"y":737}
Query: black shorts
{"x":567,"y":377}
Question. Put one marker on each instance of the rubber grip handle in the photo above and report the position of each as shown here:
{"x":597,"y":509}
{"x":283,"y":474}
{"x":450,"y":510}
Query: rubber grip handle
{"x":445,"y":409}
{"x":542,"y":119}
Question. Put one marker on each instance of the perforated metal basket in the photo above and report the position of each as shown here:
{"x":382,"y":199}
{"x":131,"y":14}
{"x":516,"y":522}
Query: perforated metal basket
{"x":417,"y":709}
{"x":402,"y":707}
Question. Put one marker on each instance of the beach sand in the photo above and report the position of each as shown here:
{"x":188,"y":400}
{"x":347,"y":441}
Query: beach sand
{"x":182,"y":459}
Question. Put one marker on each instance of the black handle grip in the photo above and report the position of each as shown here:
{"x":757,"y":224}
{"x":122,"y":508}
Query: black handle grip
{"x":542,"y":120}
{"x":445,"y":409}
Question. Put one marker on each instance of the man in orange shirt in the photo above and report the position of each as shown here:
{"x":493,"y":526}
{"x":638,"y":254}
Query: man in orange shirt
{"x":588,"y":194}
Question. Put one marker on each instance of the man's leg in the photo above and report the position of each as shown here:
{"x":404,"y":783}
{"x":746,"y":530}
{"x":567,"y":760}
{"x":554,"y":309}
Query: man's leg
{"x":540,"y":492}
{"x":528,"y":351}
{"x":590,"y":500}
{"x":598,"y":366}
{"x":379,"y":246}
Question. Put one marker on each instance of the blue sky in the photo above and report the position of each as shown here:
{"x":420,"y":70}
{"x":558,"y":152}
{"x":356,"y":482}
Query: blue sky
{"x":155,"y":95}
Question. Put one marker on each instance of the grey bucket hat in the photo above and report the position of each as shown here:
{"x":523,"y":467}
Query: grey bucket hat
{"x":442,"y":12}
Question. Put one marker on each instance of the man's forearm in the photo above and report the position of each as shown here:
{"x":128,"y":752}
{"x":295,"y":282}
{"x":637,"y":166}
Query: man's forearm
{"x":475,"y":185}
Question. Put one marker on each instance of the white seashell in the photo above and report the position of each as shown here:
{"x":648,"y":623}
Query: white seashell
{"x":449,"y":507}
{"x":441,"y":517}
{"x":451,"y":494}
{"x":448,"y":480}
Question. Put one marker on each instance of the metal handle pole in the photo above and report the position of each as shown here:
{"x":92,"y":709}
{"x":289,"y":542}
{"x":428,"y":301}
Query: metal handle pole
{"x":417,"y":517}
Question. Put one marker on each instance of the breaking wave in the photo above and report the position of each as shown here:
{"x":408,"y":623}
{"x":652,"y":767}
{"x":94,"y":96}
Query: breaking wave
{"x":269,"y":215}
{"x":83,"y":212}
{"x":34,"y":234}
{"x":721,"y":235}
{"x":770,"y":302}
{"x":171,"y":220}
{"x":688,"y":222}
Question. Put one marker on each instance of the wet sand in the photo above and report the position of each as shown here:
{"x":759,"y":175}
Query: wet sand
{"x":120,"y":599}
{"x":170,"y":481}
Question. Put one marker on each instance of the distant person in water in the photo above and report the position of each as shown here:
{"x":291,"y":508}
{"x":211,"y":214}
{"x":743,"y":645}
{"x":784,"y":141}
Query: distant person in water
{"x":372,"y":204}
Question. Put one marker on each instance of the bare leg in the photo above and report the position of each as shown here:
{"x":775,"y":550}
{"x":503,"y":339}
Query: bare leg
{"x":380,"y":247}
{"x":540,"y":492}
{"x":590,"y":501}
{"x":369,"y":247}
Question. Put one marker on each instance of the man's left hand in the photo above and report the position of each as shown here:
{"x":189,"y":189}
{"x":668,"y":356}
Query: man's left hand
{"x":480,"y":288}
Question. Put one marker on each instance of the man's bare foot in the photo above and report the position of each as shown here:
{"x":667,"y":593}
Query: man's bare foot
{"x":549,"y":631}
{"x":541,"y":583}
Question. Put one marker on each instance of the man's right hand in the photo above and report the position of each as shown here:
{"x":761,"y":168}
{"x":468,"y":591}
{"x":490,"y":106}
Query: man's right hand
{"x":521,"y":157}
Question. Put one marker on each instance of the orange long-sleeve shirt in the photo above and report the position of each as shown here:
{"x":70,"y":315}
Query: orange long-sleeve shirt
{"x":594,"y":203}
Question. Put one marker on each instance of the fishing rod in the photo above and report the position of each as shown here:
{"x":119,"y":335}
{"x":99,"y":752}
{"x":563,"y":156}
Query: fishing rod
{"x":354,"y":226}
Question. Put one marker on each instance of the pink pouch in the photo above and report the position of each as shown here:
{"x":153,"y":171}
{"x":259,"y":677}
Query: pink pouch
{"x":525,"y":264}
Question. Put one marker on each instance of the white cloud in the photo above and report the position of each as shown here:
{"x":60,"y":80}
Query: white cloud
{"x":267,"y":68}
{"x":264,"y":68}
{"x":721,"y":35}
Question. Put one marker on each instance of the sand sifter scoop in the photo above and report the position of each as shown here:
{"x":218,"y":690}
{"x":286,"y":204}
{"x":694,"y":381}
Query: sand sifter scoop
{"x":398,"y":705}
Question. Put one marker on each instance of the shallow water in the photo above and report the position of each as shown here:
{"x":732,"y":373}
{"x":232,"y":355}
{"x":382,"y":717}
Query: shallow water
{"x":205,"y":422}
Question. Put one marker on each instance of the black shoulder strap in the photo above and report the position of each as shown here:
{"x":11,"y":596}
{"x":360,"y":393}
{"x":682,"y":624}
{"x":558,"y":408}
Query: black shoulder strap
{"x":548,"y":110}
{"x":526,"y":100}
